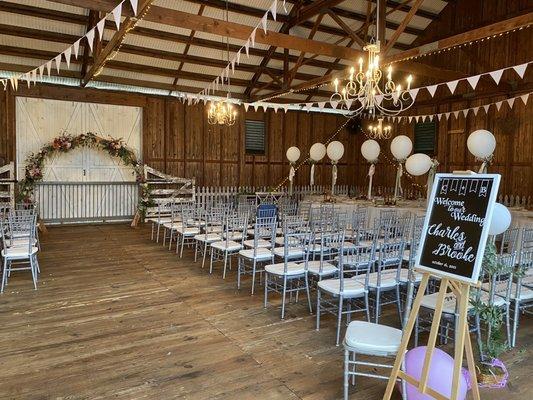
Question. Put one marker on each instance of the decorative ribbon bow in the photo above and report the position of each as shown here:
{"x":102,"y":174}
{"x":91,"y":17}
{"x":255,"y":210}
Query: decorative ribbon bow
{"x":292,"y":173}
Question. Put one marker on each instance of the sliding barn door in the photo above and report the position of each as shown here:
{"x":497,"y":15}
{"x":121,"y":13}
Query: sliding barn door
{"x":102,"y":179}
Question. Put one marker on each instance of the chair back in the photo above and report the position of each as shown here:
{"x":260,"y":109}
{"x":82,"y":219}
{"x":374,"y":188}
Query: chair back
{"x":524,"y":272}
{"x":508,"y":241}
{"x":266,"y":210}
{"x":331,"y":247}
{"x":20,"y":228}
{"x":389,"y":262}
{"x":295,"y":248}
{"x":265,"y":229}
{"x":235,"y":227}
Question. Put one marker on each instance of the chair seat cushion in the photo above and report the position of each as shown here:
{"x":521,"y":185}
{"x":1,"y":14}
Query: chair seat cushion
{"x":233,"y":236}
{"x":327,"y":268}
{"x":227,"y":246}
{"x":404,"y":276}
{"x":280,"y":241}
{"x":261,"y":243}
{"x":293,"y":252}
{"x":388,"y":279}
{"x":208,"y":237}
{"x":18,"y":251}
{"x":173,"y":225}
{"x":190,"y":231}
{"x":352,"y":287}
{"x":372,"y":339}
{"x":260,"y":254}
{"x":292,"y":269}
{"x":429,"y":301}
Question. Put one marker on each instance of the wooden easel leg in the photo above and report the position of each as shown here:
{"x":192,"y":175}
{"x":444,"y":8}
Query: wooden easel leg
{"x":460,"y":333}
{"x":471,"y":364}
{"x":435,"y":324}
{"x":406,"y":336}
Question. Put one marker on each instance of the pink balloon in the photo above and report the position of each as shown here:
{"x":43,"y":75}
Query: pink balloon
{"x":440,"y":374}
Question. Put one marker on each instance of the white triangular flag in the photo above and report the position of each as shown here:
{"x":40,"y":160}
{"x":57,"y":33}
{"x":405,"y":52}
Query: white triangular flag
{"x":49,"y":67}
{"x":246,"y":106}
{"x":117,"y":14}
{"x":27,"y":78}
{"x":256,"y":106}
{"x":431,"y":118}
{"x":90,"y":38}
{"x":410,"y":118}
{"x":456,"y":114}
{"x":285,"y":108}
{"x":238,"y":58}
{"x":41,"y":71}
{"x":100,"y":26}
{"x":417,"y":118}
{"x":334,"y":104}
{"x":309,"y":106}
{"x":521,"y":69}
{"x":76,"y":48}
{"x":486,"y":108}
{"x":499,"y":105}
{"x":274,"y":9}
{"x":447,"y":115}
{"x":413,"y":93}
{"x":264,"y":22}
{"x":252,"y":37}
{"x":497,"y":75}
{"x":452,"y":85}
{"x":34,"y":76}
{"x":476,"y":110}
{"x":348,"y":103}
{"x":465,"y":112}
{"x":473,"y":80}
{"x":57,"y":59}
{"x":246,"y":47}
{"x":68,"y":53}
{"x":227,"y":73}
{"x":233,"y":67}
{"x":134,"y":6}
{"x":524,"y":98}
{"x":321,"y":105}
{"x":439,"y":116}
{"x":511,"y":102}
{"x":14,"y":83}
{"x":275,"y":107}
{"x":432,"y":89}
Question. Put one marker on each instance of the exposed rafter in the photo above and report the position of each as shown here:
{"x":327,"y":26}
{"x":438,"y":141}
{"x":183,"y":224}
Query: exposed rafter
{"x":402,"y":26}
{"x":315,"y":8}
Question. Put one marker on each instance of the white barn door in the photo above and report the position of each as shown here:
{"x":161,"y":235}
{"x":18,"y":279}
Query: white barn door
{"x":39,"y":121}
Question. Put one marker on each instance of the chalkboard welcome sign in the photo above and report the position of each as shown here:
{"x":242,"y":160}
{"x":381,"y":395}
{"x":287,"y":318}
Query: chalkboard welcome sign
{"x":457,"y":225}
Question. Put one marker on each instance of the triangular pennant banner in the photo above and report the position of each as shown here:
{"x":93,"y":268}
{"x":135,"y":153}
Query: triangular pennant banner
{"x":521,"y":69}
{"x":465,"y":112}
{"x":379,"y":99}
{"x":134,"y":6}
{"x":233,"y":67}
{"x":68,"y":53}
{"x":321,"y":105}
{"x":456,"y":114}
{"x":473,"y":80}
{"x":524,"y":98}
{"x":497,"y":75}
{"x":511,"y":102}
{"x":432,"y":89}
{"x":486,"y":108}
{"x":76,"y":48}
{"x":285,"y":108}
{"x":410,"y":119}
{"x":348,"y":103}
{"x":238,"y":58}
{"x":247,"y":47}
{"x":117,"y":14}
{"x":334,"y":104}
{"x":499,"y":105}
{"x":246,"y":106}
{"x":264,"y":22}
{"x":275,"y":107}
{"x":413,"y":93}
{"x":475,"y":109}
{"x":439,"y":116}
{"x":452,"y":85}
{"x":57,"y":59}
{"x":274,"y":9}
{"x":252,"y":37}
{"x":447,"y":115}
{"x":100,"y":26}
{"x":90,"y":38}
{"x":49,"y":67}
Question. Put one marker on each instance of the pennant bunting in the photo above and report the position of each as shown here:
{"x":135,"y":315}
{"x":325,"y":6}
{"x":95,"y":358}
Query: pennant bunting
{"x":465,"y":112}
{"x":524,"y":98}
{"x":57,"y":59}
{"x":432,"y":89}
{"x":475,"y":109}
{"x":452,"y":85}
{"x":100,"y":26}
{"x":247,"y":47}
{"x":321,"y":105}
{"x":67,"y":53}
{"x":447,"y":115}
{"x":456,"y":114}
{"x":486,"y":108}
{"x":499,"y":105}
{"x":76,"y":47}
{"x":90,"y":38}
{"x":334,"y":104}
{"x":252,"y":37}
{"x":246,"y":106}
{"x":473,"y":80}
{"x":117,"y":15}
{"x":274,"y":9}
{"x":49,"y":67}
{"x":510,"y":102}
{"x":413,"y":93}
{"x":264,"y":22}
{"x":497,"y":75}
{"x":41,"y":71}
{"x":520,"y":69}
{"x":134,"y":4}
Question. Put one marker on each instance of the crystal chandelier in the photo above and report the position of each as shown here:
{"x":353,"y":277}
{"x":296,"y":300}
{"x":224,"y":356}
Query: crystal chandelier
{"x":221,"y":113}
{"x":379,"y":131}
{"x":368,"y":91}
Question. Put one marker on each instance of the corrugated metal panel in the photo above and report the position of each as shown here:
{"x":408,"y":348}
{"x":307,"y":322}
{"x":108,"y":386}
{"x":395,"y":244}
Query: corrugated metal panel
{"x":42,"y":24}
{"x":14,"y":41}
{"x":54,"y":6}
{"x":144,"y":60}
{"x":152,"y":43}
{"x":137,"y":75}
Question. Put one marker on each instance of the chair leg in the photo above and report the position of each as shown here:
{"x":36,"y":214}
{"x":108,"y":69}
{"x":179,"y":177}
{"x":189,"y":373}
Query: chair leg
{"x":253,"y":275}
{"x":508,"y":322}
{"x":377,"y":304}
{"x":308,"y":294}
{"x":346,"y":371}
{"x":33,"y":273}
{"x":4,"y":275}
{"x":515,"y":322}
{"x":284,"y":295}
{"x":211,"y":262}
{"x":196,"y":251}
{"x":225,"y":264}
{"x":354,"y":366}
{"x":152,"y":233}
{"x":182,"y":245}
{"x":367,"y":306}
{"x":399,"y":304}
{"x":266,"y":289}
{"x":204,"y":255}
{"x":339,"y":321}
{"x":318,"y":309}
{"x":239,"y":265}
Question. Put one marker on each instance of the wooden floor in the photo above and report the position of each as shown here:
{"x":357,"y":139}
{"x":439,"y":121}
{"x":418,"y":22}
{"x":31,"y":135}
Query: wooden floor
{"x":117,"y":316}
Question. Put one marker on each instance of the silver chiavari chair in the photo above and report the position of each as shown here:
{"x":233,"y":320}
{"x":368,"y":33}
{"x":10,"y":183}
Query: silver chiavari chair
{"x":507,"y":242}
{"x":18,"y":238}
{"x":522,"y":291}
{"x":189,"y":228}
{"x":258,"y":250}
{"x":330,"y":244}
{"x":348,"y":292}
{"x":288,"y":276}
{"x":214,"y":221}
{"x":170,"y":226}
{"x":233,"y":236}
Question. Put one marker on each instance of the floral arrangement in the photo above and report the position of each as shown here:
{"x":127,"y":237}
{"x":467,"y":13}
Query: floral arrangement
{"x":64,"y":143}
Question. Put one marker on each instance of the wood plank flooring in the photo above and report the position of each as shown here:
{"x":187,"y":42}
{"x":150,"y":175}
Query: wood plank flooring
{"x":118,"y":316}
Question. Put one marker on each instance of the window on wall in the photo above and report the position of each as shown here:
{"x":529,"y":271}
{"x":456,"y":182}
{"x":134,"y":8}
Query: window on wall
{"x":254,"y":137}
{"x":425,"y":134}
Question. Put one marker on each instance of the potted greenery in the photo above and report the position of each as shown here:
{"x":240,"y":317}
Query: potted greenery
{"x":491,"y":343}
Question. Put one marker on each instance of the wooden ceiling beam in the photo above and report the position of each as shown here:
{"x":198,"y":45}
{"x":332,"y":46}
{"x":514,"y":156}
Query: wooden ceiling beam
{"x":346,"y":28}
{"x":215,"y":26}
{"x":465,"y":37}
{"x":101,"y":58}
{"x":315,"y":8}
{"x":402,"y":26}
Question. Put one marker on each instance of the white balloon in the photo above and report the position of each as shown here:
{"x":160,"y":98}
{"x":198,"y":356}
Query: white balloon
{"x":501,"y":219}
{"x":335,"y":150}
{"x":418,"y":164}
{"x":293,"y":154}
{"x":317,"y":152}
{"x":370,"y":150}
{"x":481,"y":143}
{"x":400,"y":147}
